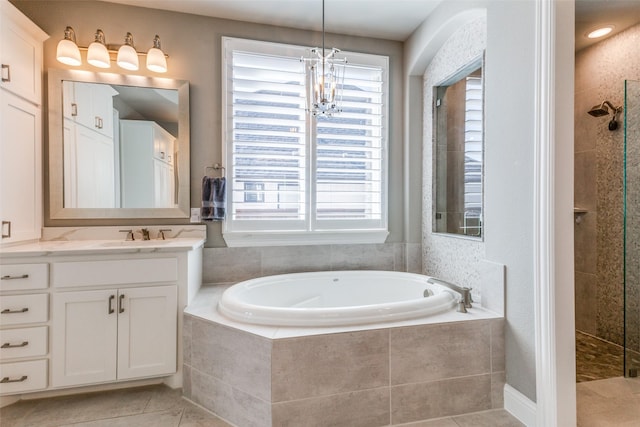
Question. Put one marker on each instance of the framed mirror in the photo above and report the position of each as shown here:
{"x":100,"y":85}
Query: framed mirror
{"x":458,"y":113}
{"x":118,"y":146}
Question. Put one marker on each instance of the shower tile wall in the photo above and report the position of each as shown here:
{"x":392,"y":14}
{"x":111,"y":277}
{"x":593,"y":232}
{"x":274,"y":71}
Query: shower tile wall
{"x":229,"y":265}
{"x":600,"y":73}
{"x":632,"y":269}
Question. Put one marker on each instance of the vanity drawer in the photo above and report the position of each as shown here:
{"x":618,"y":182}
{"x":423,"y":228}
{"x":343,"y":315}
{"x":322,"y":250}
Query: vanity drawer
{"x":23,"y":276}
{"x":23,"y":376}
{"x":19,"y":309}
{"x":25,"y":342}
{"x":116,"y":272}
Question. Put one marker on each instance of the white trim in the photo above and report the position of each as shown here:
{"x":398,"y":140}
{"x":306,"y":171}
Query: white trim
{"x":553,"y":229}
{"x":518,"y":405}
{"x":282,"y":238}
{"x":543,"y":222}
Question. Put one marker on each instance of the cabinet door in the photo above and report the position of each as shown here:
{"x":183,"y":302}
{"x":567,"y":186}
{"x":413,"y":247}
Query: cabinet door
{"x":147,"y":326}
{"x":95,"y":164}
{"x":20,"y":55}
{"x":20,"y":169}
{"x":84,"y":337}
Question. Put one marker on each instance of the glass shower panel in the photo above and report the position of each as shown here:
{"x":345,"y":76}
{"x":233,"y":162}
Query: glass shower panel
{"x":632,"y":228}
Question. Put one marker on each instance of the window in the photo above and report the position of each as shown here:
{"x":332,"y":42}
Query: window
{"x":293,"y":176}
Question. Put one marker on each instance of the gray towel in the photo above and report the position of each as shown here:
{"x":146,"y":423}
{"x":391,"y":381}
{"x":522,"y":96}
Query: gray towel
{"x":214,"y":198}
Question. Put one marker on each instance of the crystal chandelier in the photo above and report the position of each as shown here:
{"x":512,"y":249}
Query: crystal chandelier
{"x":326,"y":78}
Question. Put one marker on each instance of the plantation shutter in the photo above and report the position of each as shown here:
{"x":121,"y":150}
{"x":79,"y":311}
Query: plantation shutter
{"x":289,"y":171}
{"x":269,"y":139}
{"x":349,"y":149}
{"x":473,"y":156}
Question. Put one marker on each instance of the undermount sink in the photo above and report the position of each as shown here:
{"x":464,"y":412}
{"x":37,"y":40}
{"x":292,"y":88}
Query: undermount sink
{"x":127,"y":243}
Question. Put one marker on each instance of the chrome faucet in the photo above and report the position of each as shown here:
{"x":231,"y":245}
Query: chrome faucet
{"x":465,"y":293}
{"x":145,"y":234}
{"x":161,"y":232}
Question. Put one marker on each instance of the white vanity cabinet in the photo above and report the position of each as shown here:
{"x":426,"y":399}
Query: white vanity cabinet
{"x":113,"y":334}
{"x":125,"y":331}
{"x":20,"y":126}
{"x":24,"y":317}
{"x":147,"y":165}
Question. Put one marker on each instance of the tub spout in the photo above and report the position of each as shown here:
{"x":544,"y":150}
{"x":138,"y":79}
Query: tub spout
{"x":465,"y":293}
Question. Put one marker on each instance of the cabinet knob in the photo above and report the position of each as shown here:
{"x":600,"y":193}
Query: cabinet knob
{"x":8,"y":73}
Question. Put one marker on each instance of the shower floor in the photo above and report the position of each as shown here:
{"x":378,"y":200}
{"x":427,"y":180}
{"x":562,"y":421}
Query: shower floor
{"x":597,"y":359}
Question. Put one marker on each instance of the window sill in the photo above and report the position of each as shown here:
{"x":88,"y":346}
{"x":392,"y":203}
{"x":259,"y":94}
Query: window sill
{"x":252,"y":239}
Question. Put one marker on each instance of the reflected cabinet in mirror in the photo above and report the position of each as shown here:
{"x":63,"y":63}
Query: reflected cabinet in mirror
{"x":118,"y":146}
{"x":459,"y":134}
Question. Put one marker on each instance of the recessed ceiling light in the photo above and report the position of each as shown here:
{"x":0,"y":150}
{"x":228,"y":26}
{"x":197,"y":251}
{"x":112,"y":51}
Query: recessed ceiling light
{"x":599,"y":31}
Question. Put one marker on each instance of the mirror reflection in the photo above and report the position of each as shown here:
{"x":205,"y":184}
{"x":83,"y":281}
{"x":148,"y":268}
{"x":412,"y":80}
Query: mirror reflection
{"x":120,"y":145}
{"x":459,"y":133}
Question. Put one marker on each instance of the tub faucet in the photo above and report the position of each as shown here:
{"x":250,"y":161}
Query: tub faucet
{"x":145,"y":234}
{"x":465,"y":293}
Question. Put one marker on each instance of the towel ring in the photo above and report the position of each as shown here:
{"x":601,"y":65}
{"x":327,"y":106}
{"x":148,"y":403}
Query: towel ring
{"x":216,"y":167}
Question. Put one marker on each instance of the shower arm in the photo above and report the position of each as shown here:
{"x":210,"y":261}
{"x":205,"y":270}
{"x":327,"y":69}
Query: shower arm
{"x":616,"y":110}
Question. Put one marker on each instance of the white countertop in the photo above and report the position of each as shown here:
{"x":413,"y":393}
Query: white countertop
{"x":106,"y":240}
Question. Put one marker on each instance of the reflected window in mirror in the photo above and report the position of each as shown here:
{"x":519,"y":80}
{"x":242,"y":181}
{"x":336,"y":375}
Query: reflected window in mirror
{"x":458,"y":113}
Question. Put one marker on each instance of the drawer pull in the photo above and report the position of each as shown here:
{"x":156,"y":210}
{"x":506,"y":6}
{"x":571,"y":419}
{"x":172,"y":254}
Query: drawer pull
{"x":24,"y":276}
{"x":120,"y":304}
{"x":9,"y":311}
{"x":9,"y":345}
{"x":6,"y":380}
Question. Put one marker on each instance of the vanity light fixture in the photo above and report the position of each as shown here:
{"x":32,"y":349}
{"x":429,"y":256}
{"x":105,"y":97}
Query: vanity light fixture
{"x":99,"y":54}
{"x":326,"y":78}
{"x":600,"y":31}
{"x":156,"y":60}
{"x":127,"y":55}
{"x":68,"y":52}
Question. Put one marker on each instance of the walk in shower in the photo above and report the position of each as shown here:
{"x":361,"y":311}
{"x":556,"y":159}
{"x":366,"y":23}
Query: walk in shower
{"x":632,"y":228}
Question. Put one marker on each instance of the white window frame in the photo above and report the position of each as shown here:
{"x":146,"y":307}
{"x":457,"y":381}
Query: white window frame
{"x":340,"y":232}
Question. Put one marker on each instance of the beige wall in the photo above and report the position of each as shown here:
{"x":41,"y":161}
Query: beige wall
{"x":193,"y":44}
{"x":599,"y":154}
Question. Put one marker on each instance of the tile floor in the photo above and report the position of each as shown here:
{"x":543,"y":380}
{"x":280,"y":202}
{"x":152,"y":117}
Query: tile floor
{"x":159,"y":406}
{"x":613,"y":402}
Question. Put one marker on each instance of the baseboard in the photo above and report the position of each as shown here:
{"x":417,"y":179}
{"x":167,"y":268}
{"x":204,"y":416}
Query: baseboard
{"x":518,"y":405}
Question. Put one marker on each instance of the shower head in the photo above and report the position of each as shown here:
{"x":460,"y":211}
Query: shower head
{"x":603,"y":110}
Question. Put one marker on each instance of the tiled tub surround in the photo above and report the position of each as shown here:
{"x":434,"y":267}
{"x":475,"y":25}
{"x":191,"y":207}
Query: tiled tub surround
{"x":231,"y":265}
{"x":371,"y":375}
